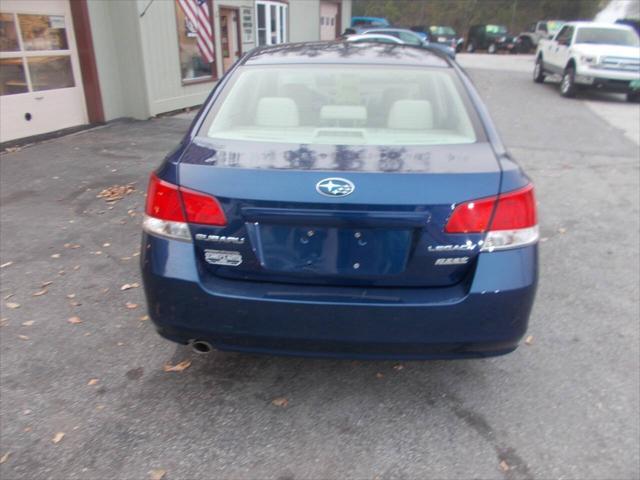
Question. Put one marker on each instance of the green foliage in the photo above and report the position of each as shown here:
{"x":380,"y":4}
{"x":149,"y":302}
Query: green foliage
{"x":460,"y":14}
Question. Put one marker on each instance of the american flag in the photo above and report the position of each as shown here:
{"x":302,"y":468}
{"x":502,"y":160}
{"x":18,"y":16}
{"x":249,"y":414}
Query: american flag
{"x":197,"y":12}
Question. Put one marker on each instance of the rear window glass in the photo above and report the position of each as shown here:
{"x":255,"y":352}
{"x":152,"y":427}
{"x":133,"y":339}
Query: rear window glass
{"x":345,"y":105}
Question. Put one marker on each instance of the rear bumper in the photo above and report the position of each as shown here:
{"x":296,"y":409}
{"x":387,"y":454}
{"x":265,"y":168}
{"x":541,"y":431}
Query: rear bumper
{"x":484,"y":318}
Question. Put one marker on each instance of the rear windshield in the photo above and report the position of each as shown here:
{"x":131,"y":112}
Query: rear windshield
{"x":442,"y":31}
{"x":343,"y":105}
{"x":607,"y":36}
{"x":498,"y":29}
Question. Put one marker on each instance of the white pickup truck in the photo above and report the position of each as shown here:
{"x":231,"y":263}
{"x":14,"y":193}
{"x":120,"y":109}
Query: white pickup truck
{"x":601,"y":56}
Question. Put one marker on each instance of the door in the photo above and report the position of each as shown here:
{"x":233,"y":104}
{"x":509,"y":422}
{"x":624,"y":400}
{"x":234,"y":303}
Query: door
{"x":558,"y":49}
{"x":229,"y":36}
{"x":40,"y":83}
{"x":328,"y":20}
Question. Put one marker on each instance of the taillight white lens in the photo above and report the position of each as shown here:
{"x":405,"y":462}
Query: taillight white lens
{"x":166,"y":228}
{"x":502,"y":239}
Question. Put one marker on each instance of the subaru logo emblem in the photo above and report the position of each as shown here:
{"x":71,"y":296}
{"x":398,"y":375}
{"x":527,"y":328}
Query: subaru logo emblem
{"x":335,"y":187}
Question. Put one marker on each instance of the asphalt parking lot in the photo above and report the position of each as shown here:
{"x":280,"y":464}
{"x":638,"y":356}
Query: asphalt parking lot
{"x":566,"y":406}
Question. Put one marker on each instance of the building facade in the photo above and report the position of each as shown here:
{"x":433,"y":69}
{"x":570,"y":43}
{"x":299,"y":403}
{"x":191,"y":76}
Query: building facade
{"x":65,"y":63}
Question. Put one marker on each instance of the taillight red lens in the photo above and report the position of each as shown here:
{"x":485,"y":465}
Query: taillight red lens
{"x":201,"y":208}
{"x":514,"y":210}
{"x":163,"y":201}
{"x":471,"y":217}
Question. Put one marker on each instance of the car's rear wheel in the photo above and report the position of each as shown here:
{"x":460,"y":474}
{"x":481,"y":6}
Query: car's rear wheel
{"x":633,"y":97}
{"x":568,"y":83}
{"x":492,"y":48}
{"x":471,"y":47}
{"x":538,"y":71}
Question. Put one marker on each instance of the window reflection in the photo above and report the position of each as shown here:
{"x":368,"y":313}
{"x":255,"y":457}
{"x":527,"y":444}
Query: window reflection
{"x":8,"y":35}
{"x":12,"y":78}
{"x":43,"y":32}
{"x":48,"y":73}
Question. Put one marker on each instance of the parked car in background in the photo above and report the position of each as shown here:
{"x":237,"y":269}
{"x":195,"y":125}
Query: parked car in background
{"x":491,"y":38}
{"x":364,"y":22}
{"x":412,"y":38}
{"x":602,"y":56}
{"x":342,"y":199}
{"x":632,"y":22}
{"x":528,"y":40}
{"x":445,"y":35}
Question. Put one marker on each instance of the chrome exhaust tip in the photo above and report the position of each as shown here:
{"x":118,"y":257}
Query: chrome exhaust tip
{"x":201,"y":347}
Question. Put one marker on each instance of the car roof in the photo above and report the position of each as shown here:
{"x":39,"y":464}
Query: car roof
{"x":617,"y":26}
{"x":373,"y":35}
{"x":344,"y":53}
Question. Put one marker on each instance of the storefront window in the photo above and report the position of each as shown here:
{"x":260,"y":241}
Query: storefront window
{"x":8,"y":35}
{"x":43,"y":32}
{"x":48,"y":73}
{"x":12,"y":78}
{"x":195,"y":40}
{"x":271,"y":22}
{"x":38,"y":57}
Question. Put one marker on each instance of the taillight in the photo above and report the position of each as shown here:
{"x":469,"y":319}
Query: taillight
{"x":201,"y":208}
{"x":170,"y":208}
{"x":163,"y":200}
{"x":510,"y":219}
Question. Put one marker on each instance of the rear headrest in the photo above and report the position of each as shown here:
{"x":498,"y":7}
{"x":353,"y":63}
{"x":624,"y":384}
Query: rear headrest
{"x":411,"y":115}
{"x":277,"y":112}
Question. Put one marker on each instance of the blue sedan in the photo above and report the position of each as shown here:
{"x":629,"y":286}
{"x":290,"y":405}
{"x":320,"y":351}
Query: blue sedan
{"x":342,"y":199}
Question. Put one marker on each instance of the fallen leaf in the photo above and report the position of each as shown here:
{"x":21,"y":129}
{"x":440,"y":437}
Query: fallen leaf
{"x":144,"y":317}
{"x":76,"y":267}
{"x":74,"y":303}
{"x":125,"y":258}
{"x":74,"y":320}
{"x":99,"y":407}
{"x":116,"y":192}
{"x":107,"y":244}
{"x":55,"y":255}
{"x":4,"y":457}
{"x":398,"y":367}
{"x":27,"y":429}
{"x":23,"y":337}
{"x":379,"y":375}
{"x":93,"y":381}
{"x":544,"y":239}
{"x":280,"y":402}
{"x":98,"y":252}
{"x":12,"y":305}
{"x":46,"y":284}
{"x":529,"y":340}
{"x":562,"y":230}
{"x":71,"y":295}
{"x":131,"y":306}
{"x":57,"y":437}
{"x":6,"y":264}
{"x":27,"y":411}
{"x":28,"y":323}
{"x":504,"y":466}
{"x":39,"y":293}
{"x":7,"y":297}
{"x":71,"y":245}
{"x":157,"y":474}
{"x":135,"y":254}
{"x":178,"y":367}
{"x":120,"y":344}
{"x":129,"y":286}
